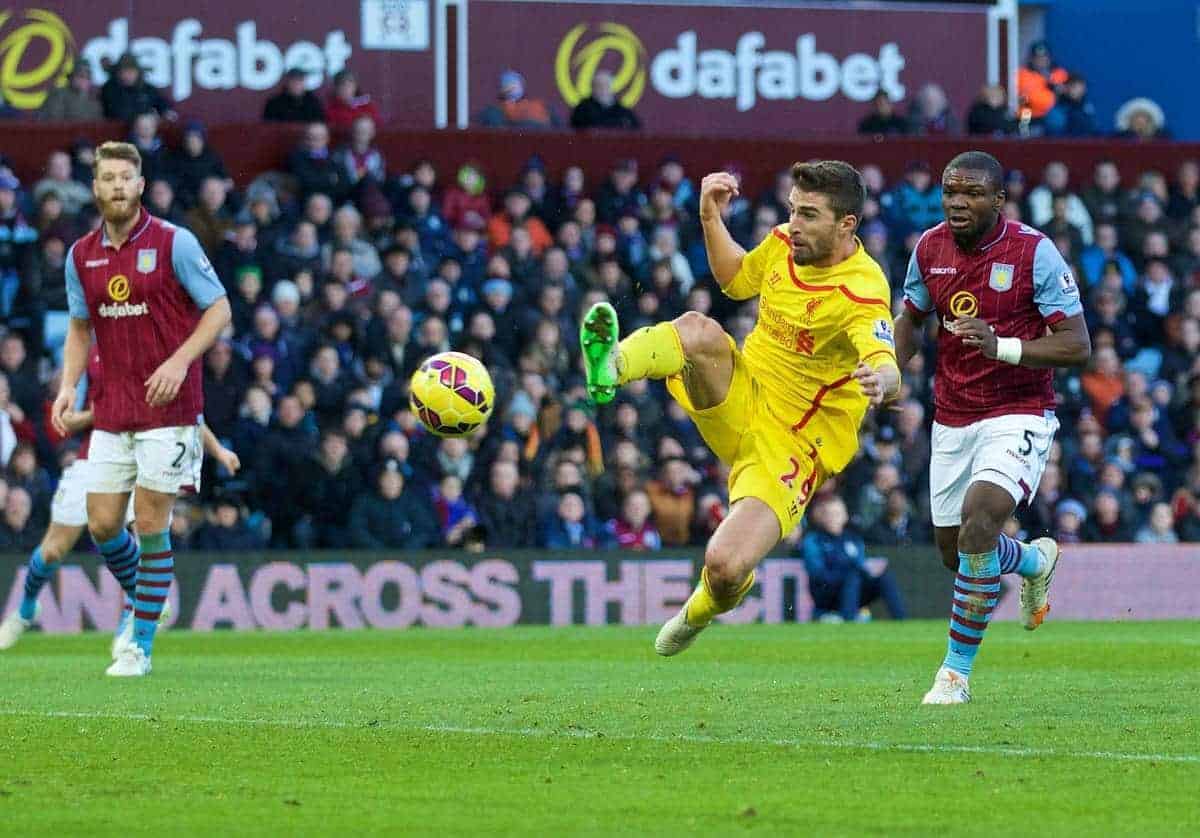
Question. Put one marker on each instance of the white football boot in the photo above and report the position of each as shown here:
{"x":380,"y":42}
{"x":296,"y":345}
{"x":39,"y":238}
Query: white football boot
{"x":949,"y":687}
{"x":132,"y":663}
{"x":14,"y":626}
{"x":676,"y":634}
{"x":1035,"y":604}
{"x":123,"y":636}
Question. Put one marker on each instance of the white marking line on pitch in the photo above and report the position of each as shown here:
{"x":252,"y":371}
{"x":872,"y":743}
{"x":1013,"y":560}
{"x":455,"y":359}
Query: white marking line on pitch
{"x":983,"y":750}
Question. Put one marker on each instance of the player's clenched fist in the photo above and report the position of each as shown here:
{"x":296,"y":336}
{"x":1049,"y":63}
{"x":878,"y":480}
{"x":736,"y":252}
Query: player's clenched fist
{"x":878,"y":384}
{"x":62,"y":403}
{"x":716,"y":191}
{"x":163,"y":386}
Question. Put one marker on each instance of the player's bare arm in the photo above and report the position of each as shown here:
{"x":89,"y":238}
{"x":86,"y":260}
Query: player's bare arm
{"x":724,"y":254}
{"x":77,"y":421}
{"x":214,"y":448}
{"x":907,"y":330}
{"x":79,"y":338}
{"x":163,"y":386}
{"x":1067,"y":345}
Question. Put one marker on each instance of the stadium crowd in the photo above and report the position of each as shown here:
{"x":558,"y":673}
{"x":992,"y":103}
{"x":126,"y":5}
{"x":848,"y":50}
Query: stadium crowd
{"x":346,"y":270}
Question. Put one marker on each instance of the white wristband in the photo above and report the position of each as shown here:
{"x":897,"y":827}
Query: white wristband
{"x":1008,"y":350}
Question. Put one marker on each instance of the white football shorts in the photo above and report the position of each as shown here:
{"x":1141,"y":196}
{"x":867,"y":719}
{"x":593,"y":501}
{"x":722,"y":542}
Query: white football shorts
{"x":160,"y":459}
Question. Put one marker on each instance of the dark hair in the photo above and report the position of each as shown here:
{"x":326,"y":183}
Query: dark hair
{"x":980,"y":161}
{"x":836,"y":179}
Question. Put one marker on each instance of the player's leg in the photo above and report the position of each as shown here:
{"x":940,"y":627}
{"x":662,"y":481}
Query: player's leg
{"x":111,"y":471}
{"x":739,"y":543}
{"x":42,"y":565}
{"x":167,"y":458}
{"x":946,"y":539}
{"x":692,"y":343}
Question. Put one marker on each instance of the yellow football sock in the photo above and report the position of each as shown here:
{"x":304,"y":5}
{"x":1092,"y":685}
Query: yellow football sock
{"x":652,"y":352}
{"x":702,"y":606}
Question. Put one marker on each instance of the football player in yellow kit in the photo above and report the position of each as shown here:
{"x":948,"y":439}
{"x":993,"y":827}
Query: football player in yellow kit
{"x":783,"y":411}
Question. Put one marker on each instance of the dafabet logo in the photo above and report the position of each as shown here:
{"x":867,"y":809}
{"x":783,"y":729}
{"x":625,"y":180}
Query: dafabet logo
{"x":37,"y":52}
{"x":578,"y":59}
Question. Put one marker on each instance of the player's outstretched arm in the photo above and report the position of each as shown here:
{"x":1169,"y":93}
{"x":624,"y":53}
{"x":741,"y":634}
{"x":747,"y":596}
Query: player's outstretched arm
{"x":163,"y":386}
{"x":1067,"y":345}
{"x":724,"y":254}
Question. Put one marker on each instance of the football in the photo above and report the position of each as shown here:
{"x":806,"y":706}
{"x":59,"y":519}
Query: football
{"x":451,"y":393}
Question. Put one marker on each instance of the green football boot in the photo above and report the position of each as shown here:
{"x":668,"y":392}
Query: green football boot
{"x":598,"y":336}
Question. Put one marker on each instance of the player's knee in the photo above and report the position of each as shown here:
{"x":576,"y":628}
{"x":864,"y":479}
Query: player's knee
{"x":698,"y":334}
{"x":102,"y":531}
{"x":726,"y":568}
{"x":52,"y":552}
{"x":979,"y":532}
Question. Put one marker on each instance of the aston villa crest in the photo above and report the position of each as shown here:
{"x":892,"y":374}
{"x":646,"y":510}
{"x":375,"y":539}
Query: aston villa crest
{"x":147,"y":260}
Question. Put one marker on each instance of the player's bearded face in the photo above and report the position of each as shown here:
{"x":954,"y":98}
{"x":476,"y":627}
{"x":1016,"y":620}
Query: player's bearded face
{"x":970,"y":203}
{"x":812,"y":227}
{"x":118,"y":189}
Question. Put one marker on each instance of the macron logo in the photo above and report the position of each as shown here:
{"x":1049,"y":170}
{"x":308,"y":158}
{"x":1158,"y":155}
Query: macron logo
{"x":119,"y":310}
{"x":95,"y":263}
{"x":943,"y":271}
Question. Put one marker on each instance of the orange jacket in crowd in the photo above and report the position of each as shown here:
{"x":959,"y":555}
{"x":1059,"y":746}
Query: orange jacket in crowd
{"x":500,"y":231}
{"x":673,"y":512}
{"x":1036,"y":92}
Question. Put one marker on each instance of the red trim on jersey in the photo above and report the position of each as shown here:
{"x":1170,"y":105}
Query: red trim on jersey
{"x":816,"y":404}
{"x":783,"y":238}
{"x":1056,"y":317}
{"x":1025,"y":488}
{"x":911,"y":306}
{"x":887,"y":352}
{"x":804,"y":286}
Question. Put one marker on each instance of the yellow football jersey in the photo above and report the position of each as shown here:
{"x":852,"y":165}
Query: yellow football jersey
{"x":814,"y":327}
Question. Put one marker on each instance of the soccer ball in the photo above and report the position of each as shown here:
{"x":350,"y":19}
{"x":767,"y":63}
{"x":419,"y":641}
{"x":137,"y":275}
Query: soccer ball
{"x":451,"y":393}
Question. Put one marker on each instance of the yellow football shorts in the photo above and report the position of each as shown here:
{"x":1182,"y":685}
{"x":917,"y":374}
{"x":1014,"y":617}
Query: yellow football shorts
{"x":767,"y":459}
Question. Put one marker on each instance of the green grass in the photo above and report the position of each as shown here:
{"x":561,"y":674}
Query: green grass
{"x":1080,"y":729}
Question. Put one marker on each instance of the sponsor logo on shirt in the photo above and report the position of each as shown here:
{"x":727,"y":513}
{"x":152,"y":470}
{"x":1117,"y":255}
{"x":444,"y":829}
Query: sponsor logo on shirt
{"x":883,"y":332}
{"x":943,"y":270}
{"x":95,"y":263}
{"x":116,"y":311}
{"x":147,"y":260}
{"x":118,"y":288}
{"x":1002,"y":276}
{"x":964,"y":304}
{"x":1067,"y":281}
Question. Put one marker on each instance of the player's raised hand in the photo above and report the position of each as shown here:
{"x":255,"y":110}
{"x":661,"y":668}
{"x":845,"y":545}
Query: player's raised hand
{"x":975,"y":333}
{"x":163,"y":386}
{"x":716,"y":191}
{"x":58,"y":411}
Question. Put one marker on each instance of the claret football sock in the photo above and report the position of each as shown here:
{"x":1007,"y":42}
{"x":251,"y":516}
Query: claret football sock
{"x":1019,"y":557}
{"x":703,"y":605}
{"x":37,"y":574}
{"x":976,"y":592}
{"x":650,"y":352}
{"x":121,"y":555}
{"x":154,"y":576}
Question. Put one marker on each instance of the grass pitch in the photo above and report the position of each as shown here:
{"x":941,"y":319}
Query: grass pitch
{"x":1078,"y":729}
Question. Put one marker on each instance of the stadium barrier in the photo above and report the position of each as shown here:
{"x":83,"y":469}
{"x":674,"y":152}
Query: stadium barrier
{"x":351,"y":590}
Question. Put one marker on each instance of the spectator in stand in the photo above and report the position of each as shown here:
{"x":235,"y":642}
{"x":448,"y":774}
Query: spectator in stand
{"x":1096,"y":257}
{"x":284,"y":446}
{"x":127,"y":94}
{"x":1185,"y":192}
{"x":1038,"y":83}
{"x":1107,"y":522}
{"x":842,"y":580}
{"x":1073,"y":115}
{"x":393,"y":517}
{"x":1104,"y":197}
{"x":329,"y":481}
{"x":193,"y":162}
{"x":1142,"y":119}
{"x":1069,"y":518}
{"x":571,"y":527}
{"x":467,"y":195}
{"x":294,"y":102}
{"x":915,"y":204}
{"x":930,"y":113}
{"x":601,"y":109}
{"x":620,"y":193}
{"x":19,"y":532}
{"x":898,"y":527}
{"x":516,"y":213}
{"x":633,"y":529}
{"x":211,"y":219}
{"x":347,"y":103}
{"x":76,"y":101}
{"x":1056,"y":184}
{"x":513,"y":109}
{"x":360,"y":159}
{"x":143,"y":133}
{"x":989,"y":114}
{"x":883,"y":119}
{"x":1161,"y":527}
{"x":58,"y":181}
{"x":673,"y":501}
{"x":225,"y":529}
{"x":313,"y":166}
{"x":506,"y":511}
{"x":347,"y":234}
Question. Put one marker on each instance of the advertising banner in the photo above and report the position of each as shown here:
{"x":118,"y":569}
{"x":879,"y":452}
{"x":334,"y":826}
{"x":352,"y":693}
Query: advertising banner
{"x":219,"y":62}
{"x":321,"y":591}
{"x":763,"y":69}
